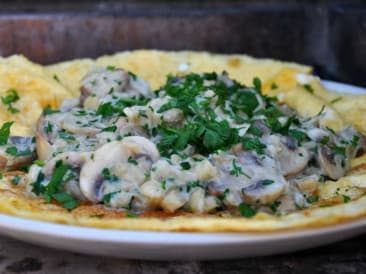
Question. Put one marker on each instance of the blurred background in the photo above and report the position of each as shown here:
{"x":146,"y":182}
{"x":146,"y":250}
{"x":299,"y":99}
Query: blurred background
{"x":329,"y":35}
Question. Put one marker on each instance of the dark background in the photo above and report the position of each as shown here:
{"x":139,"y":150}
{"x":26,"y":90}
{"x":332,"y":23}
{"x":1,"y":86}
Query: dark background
{"x":329,"y":35}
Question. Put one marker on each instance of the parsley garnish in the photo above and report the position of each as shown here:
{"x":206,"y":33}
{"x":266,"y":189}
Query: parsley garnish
{"x":246,"y":210}
{"x":185,"y":165}
{"x":335,"y":100}
{"x":308,"y":88}
{"x":66,"y":136}
{"x":47,"y":111}
{"x":346,"y":198}
{"x":267,"y":182}
{"x":5,"y":132}
{"x":9,"y":99}
{"x":15,"y":180}
{"x":236,"y":171}
{"x":132,"y":161}
{"x":108,"y":176}
{"x":15,"y":152}
{"x":253,"y":144}
{"x":110,"y":129}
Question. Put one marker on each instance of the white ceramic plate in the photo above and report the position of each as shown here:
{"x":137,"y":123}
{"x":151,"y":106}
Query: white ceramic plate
{"x":178,"y":246}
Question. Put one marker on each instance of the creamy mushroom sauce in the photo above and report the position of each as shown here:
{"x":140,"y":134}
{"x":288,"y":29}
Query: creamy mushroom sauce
{"x":203,"y":143}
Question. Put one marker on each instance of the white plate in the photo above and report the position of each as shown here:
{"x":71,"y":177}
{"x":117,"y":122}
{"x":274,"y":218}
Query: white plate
{"x":178,"y":246}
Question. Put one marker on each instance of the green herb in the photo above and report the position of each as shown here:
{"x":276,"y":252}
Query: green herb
{"x":47,"y":111}
{"x":106,"y":110}
{"x":339,"y":150}
{"x":66,"y":136}
{"x":257,"y":84}
{"x":9,"y":99}
{"x":312,"y":199}
{"x":163,"y":184}
{"x":236,"y":171}
{"x":56,"y":78}
{"x":324,"y":140}
{"x":68,"y":201}
{"x":108,"y":176}
{"x":107,"y":197}
{"x":110,"y":129}
{"x":346,"y":198}
{"x":1,"y":176}
{"x":355,"y":140}
{"x":300,"y":136}
{"x":274,"y":86}
{"x":131,"y":215}
{"x":56,"y":181}
{"x":111,"y":68}
{"x":222,"y":196}
{"x":39,"y":163}
{"x":246,"y":210}
{"x":335,"y":100}
{"x":132,"y":161}
{"x":253,"y":144}
{"x":5,"y":132}
{"x":255,"y":131}
{"x":309,"y":88}
{"x":185,"y":165}
{"x":37,"y":186}
{"x":15,"y":180}
{"x":48,"y":128}
{"x":274,"y":205}
{"x":14,"y":152}
{"x":267,"y":182}
{"x":132,"y":75}
{"x":193,"y":184}
{"x":299,"y":207}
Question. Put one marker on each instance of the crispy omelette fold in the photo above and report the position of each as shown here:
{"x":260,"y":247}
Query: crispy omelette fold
{"x":338,"y":199}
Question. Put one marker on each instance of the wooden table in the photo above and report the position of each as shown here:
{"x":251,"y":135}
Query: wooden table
{"x":344,"y":257}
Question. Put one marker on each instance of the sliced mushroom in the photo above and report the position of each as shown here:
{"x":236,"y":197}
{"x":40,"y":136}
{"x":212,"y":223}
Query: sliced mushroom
{"x":113,"y":153}
{"x":83,"y":126}
{"x":332,"y":164}
{"x":73,"y":158}
{"x":19,"y":152}
{"x":263,"y":192}
{"x":291,"y":158}
{"x":308,"y":184}
{"x":100,"y":81}
{"x":43,"y":147}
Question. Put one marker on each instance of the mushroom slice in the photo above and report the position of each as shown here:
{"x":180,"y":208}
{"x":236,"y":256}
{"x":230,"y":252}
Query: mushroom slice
{"x":43,"y":147}
{"x":100,"y":81}
{"x":19,"y":152}
{"x":331,"y":163}
{"x":308,"y":184}
{"x":291,"y":158}
{"x":263,"y":192}
{"x":110,"y":154}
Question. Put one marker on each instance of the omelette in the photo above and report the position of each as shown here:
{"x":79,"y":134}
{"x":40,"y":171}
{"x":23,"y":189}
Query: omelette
{"x":179,"y":141}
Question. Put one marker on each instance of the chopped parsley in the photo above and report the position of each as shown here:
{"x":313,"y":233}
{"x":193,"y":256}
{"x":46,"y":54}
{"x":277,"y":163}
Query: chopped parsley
{"x":308,"y":88}
{"x":11,"y":97}
{"x":132,"y":161}
{"x":15,"y":152}
{"x":110,"y":129}
{"x":5,"y":132}
{"x":335,"y":100}
{"x":237,"y":170}
{"x":253,"y":144}
{"x":185,"y":165}
{"x":15,"y":180}
{"x":246,"y":210}
{"x":108,"y":176}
